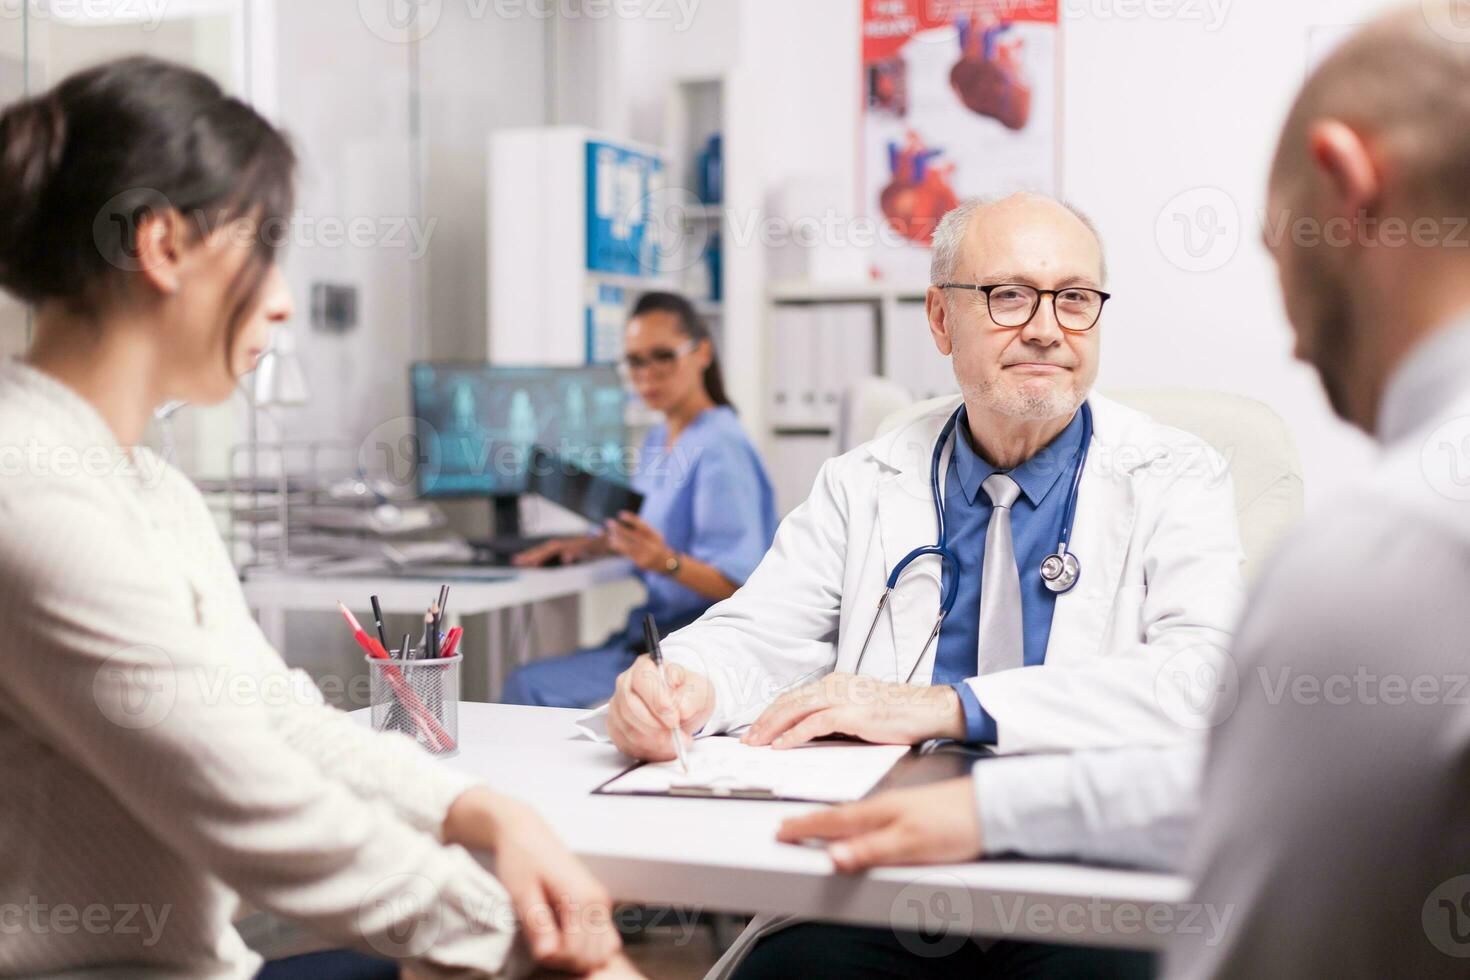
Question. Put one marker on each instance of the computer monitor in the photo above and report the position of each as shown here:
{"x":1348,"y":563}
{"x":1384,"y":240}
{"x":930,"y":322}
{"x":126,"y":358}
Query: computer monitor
{"x":477,"y":423}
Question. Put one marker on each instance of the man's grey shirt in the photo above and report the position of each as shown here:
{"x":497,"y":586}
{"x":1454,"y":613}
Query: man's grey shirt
{"x":1335,"y":820}
{"x":1332,"y":819}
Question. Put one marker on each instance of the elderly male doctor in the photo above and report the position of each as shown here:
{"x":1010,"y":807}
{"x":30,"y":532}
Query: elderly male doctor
{"x":1015,"y":301}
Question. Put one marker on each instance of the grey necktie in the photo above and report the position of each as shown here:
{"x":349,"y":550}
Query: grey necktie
{"x":1001,"y":646}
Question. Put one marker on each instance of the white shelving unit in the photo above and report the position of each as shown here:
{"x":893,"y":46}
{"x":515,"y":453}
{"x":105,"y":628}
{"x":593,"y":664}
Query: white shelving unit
{"x":696,"y":107}
{"x":539,"y":285}
{"x":572,"y":240}
{"x":695,"y":111}
{"x":560,"y":200}
{"x":880,"y":328}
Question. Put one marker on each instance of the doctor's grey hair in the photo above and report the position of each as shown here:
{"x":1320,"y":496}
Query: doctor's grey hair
{"x":949,"y":236}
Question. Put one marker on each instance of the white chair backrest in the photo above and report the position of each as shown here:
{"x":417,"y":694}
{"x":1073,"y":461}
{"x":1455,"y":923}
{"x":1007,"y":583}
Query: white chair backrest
{"x":1257,"y":446}
{"x":866,"y":403}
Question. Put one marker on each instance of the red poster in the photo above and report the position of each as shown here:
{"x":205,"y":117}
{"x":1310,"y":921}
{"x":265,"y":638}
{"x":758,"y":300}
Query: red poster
{"x":961,"y":98}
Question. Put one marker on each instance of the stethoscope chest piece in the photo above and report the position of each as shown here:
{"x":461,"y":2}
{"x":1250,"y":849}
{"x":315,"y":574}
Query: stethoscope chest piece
{"x":1060,"y":571}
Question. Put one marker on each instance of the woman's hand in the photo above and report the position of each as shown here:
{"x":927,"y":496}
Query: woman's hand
{"x":568,"y":550}
{"x":565,"y":912}
{"x":638,"y":541}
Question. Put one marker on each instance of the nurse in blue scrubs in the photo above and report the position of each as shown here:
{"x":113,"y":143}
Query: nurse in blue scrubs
{"x":708,"y":512}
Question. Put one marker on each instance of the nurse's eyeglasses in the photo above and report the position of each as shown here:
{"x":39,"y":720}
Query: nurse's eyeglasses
{"x":659,"y":361}
{"x":1013,"y":304}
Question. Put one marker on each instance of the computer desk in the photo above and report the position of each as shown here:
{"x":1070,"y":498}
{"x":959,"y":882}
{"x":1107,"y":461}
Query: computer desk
{"x":722,"y":855}
{"x":490,"y":592}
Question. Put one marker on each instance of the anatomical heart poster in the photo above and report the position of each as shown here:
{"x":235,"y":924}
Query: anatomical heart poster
{"x":960,"y":98}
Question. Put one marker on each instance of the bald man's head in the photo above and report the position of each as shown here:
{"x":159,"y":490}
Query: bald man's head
{"x":1403,"y":84}
{"x":1370,"y":199}
{"x":1038,"y":370}
{"x":958,"y":226}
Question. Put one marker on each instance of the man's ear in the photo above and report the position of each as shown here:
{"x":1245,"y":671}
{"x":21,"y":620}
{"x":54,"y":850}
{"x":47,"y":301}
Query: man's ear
{"x":938,"y":313}
{"x":160,"y":249}
{"x":1345,"y":165}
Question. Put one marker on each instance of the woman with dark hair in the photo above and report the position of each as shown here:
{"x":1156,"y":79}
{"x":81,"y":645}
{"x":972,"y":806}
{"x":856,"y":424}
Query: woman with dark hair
{"x":158,"y":754}
{"x":708,"y":513}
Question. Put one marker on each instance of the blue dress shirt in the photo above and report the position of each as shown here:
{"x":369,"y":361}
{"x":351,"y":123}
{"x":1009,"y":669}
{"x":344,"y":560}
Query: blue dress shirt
{"x":1036,"y":526}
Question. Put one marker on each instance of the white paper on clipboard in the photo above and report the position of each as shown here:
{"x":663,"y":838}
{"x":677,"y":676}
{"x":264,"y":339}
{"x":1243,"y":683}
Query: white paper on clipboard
{"x":723,"y":766}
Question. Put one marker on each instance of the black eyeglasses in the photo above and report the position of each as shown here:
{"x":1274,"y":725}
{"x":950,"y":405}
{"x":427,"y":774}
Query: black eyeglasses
{"x":1013,"y":304}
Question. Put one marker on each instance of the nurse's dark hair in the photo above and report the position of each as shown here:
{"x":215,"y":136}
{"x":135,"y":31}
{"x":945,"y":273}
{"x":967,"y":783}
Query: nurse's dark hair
{"x":691,"y":325}
{"x":83,"y":165}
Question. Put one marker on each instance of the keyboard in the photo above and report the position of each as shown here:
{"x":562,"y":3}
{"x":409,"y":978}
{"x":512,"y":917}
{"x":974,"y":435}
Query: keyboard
{"x":497,"y":552}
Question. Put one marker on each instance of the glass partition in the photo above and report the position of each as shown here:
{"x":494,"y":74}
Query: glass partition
{"x":14,"y":322}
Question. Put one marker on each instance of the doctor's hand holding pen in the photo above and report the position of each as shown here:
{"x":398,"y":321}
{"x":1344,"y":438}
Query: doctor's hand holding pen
{"x":644,"y":712}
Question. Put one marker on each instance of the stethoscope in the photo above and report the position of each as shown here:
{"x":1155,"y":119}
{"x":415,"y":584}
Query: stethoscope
{"x":1059,"y":570}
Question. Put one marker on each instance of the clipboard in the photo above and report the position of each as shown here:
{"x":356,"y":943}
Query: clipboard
{"x":696,"y":792}
{"x":839,"y":772}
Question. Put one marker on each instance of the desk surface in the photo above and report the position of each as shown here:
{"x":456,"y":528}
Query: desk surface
{"x":482,"y":590}
{"x":721,"y":855}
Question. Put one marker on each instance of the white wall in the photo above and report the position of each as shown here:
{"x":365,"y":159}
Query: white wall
{"x":1153,"y":109}
{"x":1183,"y":109}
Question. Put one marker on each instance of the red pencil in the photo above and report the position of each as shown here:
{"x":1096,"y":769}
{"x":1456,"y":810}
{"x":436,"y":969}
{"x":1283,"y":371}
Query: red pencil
{"x":374,"y":648}
{"x":428,"y":725}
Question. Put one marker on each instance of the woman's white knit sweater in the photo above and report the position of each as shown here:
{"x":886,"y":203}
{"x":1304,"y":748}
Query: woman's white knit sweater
{"x":158,"y":759}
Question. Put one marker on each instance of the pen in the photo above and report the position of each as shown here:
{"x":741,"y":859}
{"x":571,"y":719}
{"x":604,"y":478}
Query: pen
{"x":650,"y":636}
{"x":426,"y":722}
{"x":404,"y":650}
{"x":378,"y":621}
{"x":451,"y":642}
{"x":443,"y":604}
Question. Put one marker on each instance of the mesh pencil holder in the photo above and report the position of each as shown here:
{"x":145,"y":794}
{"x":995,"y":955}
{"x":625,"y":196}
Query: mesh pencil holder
{"x":419,"y":698}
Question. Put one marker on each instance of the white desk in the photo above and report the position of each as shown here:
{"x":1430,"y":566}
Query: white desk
{"x":721,"y":855}
{"x":478,"y":591}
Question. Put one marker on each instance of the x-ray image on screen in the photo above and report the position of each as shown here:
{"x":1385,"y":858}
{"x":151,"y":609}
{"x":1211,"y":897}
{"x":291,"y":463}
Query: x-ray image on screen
{"x":477,"y":424}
